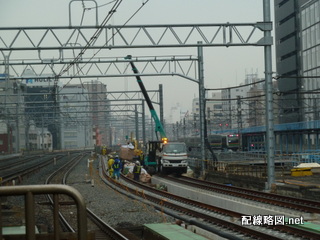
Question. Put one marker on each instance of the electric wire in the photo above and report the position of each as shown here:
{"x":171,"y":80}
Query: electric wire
{"x":227,"y":88}
{"x":96,"y":35}
{"x":101,"y":5}
{"x":93,"y":38}
{"x":89,"y":43}
{"x":77,"y":64}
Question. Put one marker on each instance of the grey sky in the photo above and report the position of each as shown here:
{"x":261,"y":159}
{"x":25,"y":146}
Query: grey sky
{"x":223,"y":66}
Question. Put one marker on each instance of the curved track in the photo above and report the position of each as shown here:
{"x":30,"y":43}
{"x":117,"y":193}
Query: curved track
{"x":208,"y":215}
{"x":101,"y":229}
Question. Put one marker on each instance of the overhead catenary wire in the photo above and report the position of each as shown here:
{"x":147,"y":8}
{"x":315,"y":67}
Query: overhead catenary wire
{"x":81,"y":22}
{"x":263,"y":95}
{"x":96,"y":35}
{"x":226,"y":88}
{"x":102,"y":5}
{"x":92,"y":39}
{"x":55,"y":90}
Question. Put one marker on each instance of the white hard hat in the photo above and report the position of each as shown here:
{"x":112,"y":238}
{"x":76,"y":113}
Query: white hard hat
{"x":137,"y":162}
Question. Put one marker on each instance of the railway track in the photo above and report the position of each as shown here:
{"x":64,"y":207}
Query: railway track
{"x":302,"y":205}
{"x":98,"y":228}
{"x":207,"y":215}
{"x":15,"y":168}
{"x":68,"y":222}
{"x":217,"y":220}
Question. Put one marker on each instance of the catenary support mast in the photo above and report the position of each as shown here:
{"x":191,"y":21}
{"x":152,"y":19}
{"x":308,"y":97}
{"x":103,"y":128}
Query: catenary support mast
{"x":201,"y":104}
{"x":269,"y":99}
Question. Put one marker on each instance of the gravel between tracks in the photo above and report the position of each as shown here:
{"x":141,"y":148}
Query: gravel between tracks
{"x":114,"y":208}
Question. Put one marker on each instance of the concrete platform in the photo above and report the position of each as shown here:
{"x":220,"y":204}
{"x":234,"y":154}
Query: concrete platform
{"x":247,"y":207}
{"x":167,"y":231}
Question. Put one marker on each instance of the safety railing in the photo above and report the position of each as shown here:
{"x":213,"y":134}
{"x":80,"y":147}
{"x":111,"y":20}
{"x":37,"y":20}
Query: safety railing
{"x":29,"y":192}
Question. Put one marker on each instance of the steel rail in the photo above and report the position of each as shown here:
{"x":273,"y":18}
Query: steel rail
{"x":165,"y":203}
{"x":279,"y":200}
{"x":12,"y":174}
{"x":107,"y":230}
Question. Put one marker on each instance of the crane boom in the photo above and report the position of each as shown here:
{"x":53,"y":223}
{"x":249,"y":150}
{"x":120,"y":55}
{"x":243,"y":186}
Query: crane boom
{"x":161,"y":156}
{"x":158,"y":125}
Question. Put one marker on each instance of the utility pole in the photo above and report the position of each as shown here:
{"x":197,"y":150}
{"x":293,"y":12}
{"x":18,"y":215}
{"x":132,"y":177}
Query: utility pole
{"x":269,"y":98}
{"x":17,"y":128}
{"x":143,"y":123}
{"x":201,"y":105}
{"x":239,"y":116}
{"x":230,"y":109}
{"x":136,"y":122}
{"x":42,"y":133}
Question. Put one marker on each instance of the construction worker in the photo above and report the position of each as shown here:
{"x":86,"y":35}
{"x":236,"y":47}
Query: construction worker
{"x":116,"y":168}
{"x":137,"y":171}
{"x":141,"y":158}
{"x":110,"y":163}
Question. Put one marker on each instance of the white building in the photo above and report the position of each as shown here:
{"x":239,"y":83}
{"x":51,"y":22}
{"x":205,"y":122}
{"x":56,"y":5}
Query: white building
{"x":39,"y":138}
{"x":176,"y":114}
{"x":75,"y":121}
{"x":214,"y":114}
{"x":235,"y":111}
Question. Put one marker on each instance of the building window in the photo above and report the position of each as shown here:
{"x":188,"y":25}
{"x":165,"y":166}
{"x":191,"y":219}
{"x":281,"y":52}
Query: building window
{"x":304,"y":40}
{"x":70,"y":144}
{"x":303,"y":19}
{"x":307,"y":17}
{"x":304,"y":60}
{"x":317,"y":11}
{"x":312,"y":18}
{"x":70,"y":134}
{"x":308,"y":38}
{"x":313,"y":57}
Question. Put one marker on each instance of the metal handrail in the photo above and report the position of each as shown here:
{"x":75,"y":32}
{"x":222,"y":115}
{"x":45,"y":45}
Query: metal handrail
{"x":29,"y":191}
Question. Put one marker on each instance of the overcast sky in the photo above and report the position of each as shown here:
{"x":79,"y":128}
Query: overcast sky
{"x":224,"y":67}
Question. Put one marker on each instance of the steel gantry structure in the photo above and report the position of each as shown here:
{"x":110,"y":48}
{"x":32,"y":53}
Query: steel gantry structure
{"x":40,"y":42}
{"x":118,"y":97}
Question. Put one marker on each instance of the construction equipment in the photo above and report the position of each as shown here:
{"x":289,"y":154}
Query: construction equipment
{"x":161,"y":155}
